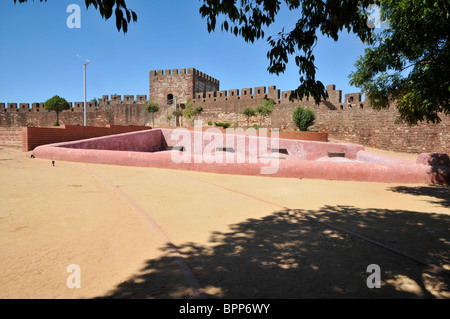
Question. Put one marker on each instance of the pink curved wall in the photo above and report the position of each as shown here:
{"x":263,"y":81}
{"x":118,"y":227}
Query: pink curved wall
{"x":143,"y":149}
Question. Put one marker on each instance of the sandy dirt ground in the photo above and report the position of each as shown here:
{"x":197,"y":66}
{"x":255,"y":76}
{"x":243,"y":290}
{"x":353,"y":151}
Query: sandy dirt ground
{"x":153,"y":233}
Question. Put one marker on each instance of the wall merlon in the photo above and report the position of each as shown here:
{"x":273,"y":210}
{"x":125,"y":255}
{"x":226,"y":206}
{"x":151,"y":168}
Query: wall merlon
{"x":37,"y":106}
{"x":274,"y":93}
{"x":210,"y":95}
{"x":233,"y":93}
{"x":353,"y":97}
{"x":285,"y":95}
{"x":259,"y":90}
{"x":222,"y":94}
{"x":141,"y":97}
{"x":334,"y":96}
{"x":247,"y":92}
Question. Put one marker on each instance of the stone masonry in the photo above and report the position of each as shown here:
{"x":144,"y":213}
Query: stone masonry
{"x":358,"y":124}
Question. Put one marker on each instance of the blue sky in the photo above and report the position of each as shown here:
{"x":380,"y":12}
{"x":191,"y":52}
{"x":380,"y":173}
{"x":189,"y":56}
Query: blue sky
{"x":38,"y":52}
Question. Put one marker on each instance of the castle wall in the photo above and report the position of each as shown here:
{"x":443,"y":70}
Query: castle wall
{"x":178,"y":83}
{"x":360,"y":124}
{"x":10,"y":136}
{"x":204,"y":83}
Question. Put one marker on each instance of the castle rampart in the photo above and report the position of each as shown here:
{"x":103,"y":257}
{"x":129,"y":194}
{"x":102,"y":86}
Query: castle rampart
{"x":354,"y":123}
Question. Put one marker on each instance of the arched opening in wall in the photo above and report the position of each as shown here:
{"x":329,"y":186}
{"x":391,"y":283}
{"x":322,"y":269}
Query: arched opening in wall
{"x":169,"y":99}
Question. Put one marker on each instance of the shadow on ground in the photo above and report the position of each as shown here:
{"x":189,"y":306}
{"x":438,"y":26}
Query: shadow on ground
{"x":442,"y":194}
{"x":285,"y":255}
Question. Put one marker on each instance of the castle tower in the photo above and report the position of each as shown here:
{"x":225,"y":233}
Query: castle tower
{"x":167,"y":85}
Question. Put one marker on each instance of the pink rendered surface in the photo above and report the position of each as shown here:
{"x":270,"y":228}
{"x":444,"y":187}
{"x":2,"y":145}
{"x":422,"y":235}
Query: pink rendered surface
{"x":252,"y":156}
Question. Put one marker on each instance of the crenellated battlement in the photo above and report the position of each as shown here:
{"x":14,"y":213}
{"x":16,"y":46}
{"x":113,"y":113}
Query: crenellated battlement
{"x":39,"y":107}
{"x":126,"y":99}
{"x":270,"y":92}
{"x":182,"y":72}
{"x":260,"y":92}
{"x":344,"y":116}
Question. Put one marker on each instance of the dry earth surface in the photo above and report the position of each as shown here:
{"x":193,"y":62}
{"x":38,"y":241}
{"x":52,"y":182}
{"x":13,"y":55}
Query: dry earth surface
{"x":240,"y":236}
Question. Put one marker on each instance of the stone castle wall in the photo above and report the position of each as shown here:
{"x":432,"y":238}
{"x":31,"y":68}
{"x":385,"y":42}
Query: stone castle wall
{"x":358,"y":124}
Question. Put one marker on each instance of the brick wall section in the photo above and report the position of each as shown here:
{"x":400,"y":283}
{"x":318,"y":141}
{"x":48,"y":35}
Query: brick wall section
{"x":33,"y":137}
{"x":10,"y":136}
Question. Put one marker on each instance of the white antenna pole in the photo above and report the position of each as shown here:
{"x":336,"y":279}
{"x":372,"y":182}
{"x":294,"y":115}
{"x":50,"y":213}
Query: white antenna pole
{"x":84,"y":71}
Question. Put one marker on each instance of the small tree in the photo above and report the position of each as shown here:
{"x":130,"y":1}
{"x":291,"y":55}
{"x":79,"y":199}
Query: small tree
{"x":177,"y":114}
{"x":191,"y":112}
{"x":264,"y":110}
{"x":303,"y":118}
{"x":169,"y":119}
{"x":57,"y":104}
{"x":152,"y":108}
{"x":249,"y":112}
{"x":95,"y":101}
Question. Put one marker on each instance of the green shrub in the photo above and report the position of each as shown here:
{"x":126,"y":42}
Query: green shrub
{"x":210,"y":123}
{"x":224,"y":125}
{"x":304,"y":118}
{"x":249,"y":112}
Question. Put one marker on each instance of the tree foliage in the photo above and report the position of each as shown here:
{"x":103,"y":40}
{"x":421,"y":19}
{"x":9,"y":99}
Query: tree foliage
{"x":409,"y":61}
{"x":303,"y":118}
{"x":247,"y":19}
{"x":190,"y":112}
{"x":56,"y":104}
{"x":106,"y":9}
{"x":265,"y":109}
{"x":177,"y":114}
{"x":248,"y":112}
{"x":152,"y":108}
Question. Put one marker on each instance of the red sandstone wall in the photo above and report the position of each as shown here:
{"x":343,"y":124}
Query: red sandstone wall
{"x":362,"y":126}
{"x":33,"y":137}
